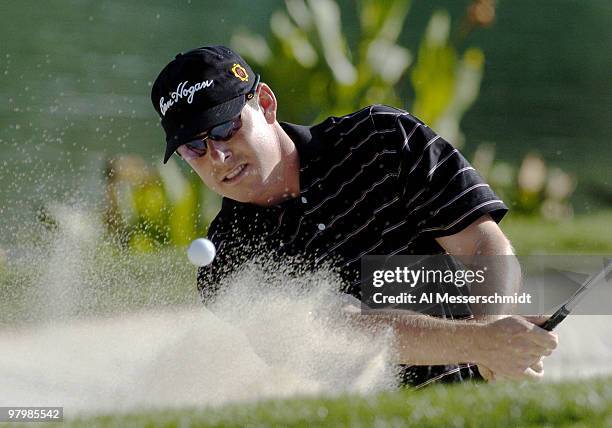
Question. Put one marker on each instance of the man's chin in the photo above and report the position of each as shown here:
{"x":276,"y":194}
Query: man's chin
{"x":252,"y":197}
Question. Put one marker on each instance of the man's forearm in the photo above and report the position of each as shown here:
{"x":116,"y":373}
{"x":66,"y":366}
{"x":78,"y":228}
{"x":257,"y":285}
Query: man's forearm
{"x":426,"y":340}
{"x":421,"y":339}
{"x":511,"y":347}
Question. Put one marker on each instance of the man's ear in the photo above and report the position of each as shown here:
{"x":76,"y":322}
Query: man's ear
{"x":267,"y":102}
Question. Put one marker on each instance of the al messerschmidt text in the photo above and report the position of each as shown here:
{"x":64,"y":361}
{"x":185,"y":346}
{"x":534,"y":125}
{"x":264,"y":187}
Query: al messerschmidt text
{"x":495,"y":298}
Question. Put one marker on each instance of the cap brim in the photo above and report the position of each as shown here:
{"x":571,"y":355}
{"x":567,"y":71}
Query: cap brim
{"x":200,"y":122}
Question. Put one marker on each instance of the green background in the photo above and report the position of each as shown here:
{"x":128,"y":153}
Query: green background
{"x":76,"y":77}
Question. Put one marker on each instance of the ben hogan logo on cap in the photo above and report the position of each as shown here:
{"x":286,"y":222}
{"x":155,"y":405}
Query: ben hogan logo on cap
{"x":183,"y":91}
{"x":240,"y":72}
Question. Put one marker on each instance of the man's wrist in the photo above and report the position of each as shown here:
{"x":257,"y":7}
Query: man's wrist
{"x":468,"y":341}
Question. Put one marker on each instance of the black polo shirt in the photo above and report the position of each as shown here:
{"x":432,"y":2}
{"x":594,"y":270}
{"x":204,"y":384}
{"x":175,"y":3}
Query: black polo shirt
{"x":378,"y":181}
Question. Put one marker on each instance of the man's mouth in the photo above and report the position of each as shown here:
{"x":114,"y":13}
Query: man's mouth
{"x":235,"y":173}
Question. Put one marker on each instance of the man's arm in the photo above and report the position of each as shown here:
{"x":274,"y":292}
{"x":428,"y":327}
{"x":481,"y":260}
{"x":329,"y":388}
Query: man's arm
{"x":484,"y":238}
{"x":510,"y":348}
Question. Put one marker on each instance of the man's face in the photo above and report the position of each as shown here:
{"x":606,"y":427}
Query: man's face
{"x":249,"y":166}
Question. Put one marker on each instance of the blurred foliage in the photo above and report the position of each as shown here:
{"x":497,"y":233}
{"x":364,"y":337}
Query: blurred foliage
{"x":532,"y":189}
{"x":147,"y":207}
{"x":3,"y":261}
{"x":315,"y":73}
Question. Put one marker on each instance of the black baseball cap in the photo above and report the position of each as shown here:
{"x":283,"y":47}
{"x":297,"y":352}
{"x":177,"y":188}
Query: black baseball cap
{"x":200,"y":89}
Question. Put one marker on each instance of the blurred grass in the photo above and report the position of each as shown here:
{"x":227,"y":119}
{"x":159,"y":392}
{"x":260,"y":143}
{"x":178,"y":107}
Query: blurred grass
{"x":584,"y":234}
{"x":577,"y":403}
{"x":109,"y":283}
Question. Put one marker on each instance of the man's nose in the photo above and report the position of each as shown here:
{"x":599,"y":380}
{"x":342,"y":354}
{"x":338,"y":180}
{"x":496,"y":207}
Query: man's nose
{"x":219,"y":152}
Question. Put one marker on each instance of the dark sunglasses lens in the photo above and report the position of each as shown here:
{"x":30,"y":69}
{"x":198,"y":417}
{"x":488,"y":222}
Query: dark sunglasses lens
{"x":226,"y":130}
{"x":197,"y":146}
{"x":222,"y":132}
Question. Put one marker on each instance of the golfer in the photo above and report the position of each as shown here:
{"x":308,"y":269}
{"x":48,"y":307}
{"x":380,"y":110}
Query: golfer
{"x":376,"y":181}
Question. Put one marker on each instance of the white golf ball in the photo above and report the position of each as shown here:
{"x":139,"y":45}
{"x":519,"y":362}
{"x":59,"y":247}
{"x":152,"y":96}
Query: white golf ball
{"x":201,"y":252}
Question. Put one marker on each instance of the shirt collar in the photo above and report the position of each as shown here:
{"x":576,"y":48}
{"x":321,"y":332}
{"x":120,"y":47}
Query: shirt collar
{"x":305,"y":142}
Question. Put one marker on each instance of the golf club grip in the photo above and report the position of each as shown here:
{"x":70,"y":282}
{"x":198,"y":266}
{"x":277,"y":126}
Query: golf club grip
{"x":555,"y":319}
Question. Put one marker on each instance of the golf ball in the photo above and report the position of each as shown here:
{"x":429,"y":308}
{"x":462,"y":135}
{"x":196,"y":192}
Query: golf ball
{"x":201,"y":252}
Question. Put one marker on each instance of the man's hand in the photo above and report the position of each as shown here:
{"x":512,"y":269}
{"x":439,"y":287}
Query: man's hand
{"x":490,"y":377}
{"x":513,"y":348}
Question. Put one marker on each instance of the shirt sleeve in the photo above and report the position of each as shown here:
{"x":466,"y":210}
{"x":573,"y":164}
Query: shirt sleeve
{"x":442,"y":192}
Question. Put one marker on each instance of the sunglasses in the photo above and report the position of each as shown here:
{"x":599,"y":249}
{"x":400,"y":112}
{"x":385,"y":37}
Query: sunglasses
{"x":223,"y":132}
{"x":199,"y":146}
